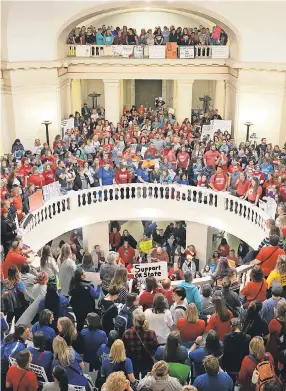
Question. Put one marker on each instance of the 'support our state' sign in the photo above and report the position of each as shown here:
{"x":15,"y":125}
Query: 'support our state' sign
{"x":159,"y":270}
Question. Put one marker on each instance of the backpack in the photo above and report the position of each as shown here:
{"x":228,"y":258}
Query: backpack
{"x":10,"y":300}
{"x":266,"y":372}
{"x":121,"y":320}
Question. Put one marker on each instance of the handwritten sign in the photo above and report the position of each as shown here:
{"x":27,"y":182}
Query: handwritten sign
{"x":138,"y":51}
{"x":221,"y":125}
{"x":116,"y":50}
{"x":157,"y":51}
{"x":187,"y":52}
{"x":127,"y":51}
{"x":220,"y":51}
{"x":159,"y":270}
{"x":51,"y":191}
{"x":83,"y":51}
{"x":207,"y":133}
{"x":171,"y":49}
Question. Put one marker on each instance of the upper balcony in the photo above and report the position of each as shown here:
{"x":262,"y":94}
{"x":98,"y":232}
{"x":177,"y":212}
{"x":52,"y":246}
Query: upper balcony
{"x":146,"y":202}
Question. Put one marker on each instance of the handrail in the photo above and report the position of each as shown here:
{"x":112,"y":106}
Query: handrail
{"x":144,"y":202}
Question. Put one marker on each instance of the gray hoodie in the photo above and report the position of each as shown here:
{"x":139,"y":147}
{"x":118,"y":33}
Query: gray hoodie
{"x":167,"y":383}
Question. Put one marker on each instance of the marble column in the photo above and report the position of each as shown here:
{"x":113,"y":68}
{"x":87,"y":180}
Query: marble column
{"x":184,"y":99}
{"x":112,"y":100}
{"x":94,"y":234}
{"x":200,"y":236}
{"x":76,"y":96}
{"x":219,"y":102}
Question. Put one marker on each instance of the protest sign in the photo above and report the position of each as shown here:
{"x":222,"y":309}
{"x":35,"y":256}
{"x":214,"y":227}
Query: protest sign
{"x":159,"y":270}
{"x":171,"y":50}
{"x":36,"y":200}
{"x":157,"y":51}
{"x":220,"y":51}
{"x":83,"y":50}
{"x":138,"y":51}
{"x":93,"y":278}
{"x":116,"y":50}
{"x":51,"y":191}
{"x":222,"y":125}
{"x":145,"y":246}
{"x":127,"y":51}
{"x":187,"y":52}
{"x":207,"y":133}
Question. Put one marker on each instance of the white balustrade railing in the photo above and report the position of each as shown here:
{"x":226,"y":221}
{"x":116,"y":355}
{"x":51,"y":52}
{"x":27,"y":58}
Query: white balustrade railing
{"x":145,"y":202}
{"x":125,"y":51}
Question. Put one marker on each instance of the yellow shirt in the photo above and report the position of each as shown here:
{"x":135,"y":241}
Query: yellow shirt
{"x":276,"y":276}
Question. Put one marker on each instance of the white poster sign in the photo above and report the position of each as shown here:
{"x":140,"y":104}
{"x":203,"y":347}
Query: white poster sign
{"x":220,"y":51}
{"x":159,"y":270}
{"x":207,"y":133}
{"x":221,"y":125}
{"x":127,"y":51}
{"x":67,"y":124}
{"x":51,"y":191}
{"x":138,"y":52}
{"x":157,"y":51}
{"x":83,"y":50}
{"x":93,"y":278}
{"x":187,"y":52}
{"x":117,"y":50}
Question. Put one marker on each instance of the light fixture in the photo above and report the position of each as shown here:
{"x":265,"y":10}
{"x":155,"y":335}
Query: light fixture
{"x":47,"y":123}
{"x":247,"y":124}
{"x":94,"y":96}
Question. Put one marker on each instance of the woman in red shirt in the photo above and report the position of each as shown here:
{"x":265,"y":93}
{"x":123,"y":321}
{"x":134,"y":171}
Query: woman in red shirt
{"x":220,"y":320}
{"x":255,"y":290}
{"x":37,"y":178}
{"x":190,"y":326}
{"x":48,"y":174}
{"x":19,"y":377}
{"x":183,"y":158}
{"x":254,"y":191}
{"x":249,"y":363}
{"x":146,"y":298}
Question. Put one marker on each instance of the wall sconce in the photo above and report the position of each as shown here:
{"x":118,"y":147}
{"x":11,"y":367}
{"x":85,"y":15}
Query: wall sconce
{"x":47,"y":123}
{"x":247,"y":124}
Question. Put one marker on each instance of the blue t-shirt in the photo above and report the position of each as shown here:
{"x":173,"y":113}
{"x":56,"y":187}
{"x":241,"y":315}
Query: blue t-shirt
{"x":183,"y":182}
{"x":43,"y":359}
{"x":143,"y":174}
{"x":266,"y":168}
{"x":92,"y":339}
{"x":103,"y":352}
{"x":48,"y":332}
{"x":21,"y":286}
{"x":75,"y":375}
{"x":99,"y":39}
{"x":106,"y":176}
{"x":220,"y":382}
{"x":197,"y":356}
{"x":108,"y":39}
{"x":108,"y":367}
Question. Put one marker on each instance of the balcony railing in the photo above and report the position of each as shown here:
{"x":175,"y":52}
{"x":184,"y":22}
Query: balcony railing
{"x":146,"y":202}
{"x":151,"y":52}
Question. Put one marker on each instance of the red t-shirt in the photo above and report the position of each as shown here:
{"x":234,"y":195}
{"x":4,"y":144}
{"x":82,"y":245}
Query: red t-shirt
{"x":17,"y":202}
{"x":49,"y":176}
{"x":221,"y":328}
{"x":146,"y":300}
{"x":252,"y":193}
{"x":37,"y":179}
{"x":13,"y":258}
{"x":210,"y":157}
{"x":183,"y":159}
{"x":127,"y":256}
{"x":122,"y":177}
{"x":219,"y":181}
{"x":190,"y":331}
{"x":168,"y":294}
{"x":253,"y":291}
{"x":22,"y":379}
{"x":269,"y":256}
{"x":241,"y":187}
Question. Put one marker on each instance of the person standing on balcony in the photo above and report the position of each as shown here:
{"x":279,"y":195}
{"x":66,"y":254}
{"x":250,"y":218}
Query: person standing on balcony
{"x":131,"y":38}
{"x":108,"y":38}
{"x":158,"y":37}
{"x":219,"y":180}
{"x":211,"y":157}
{"x":122,"y":176}
{"x":106,"y":175}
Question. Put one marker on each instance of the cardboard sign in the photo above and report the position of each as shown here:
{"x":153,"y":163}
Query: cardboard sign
{"x":207,"y":133}
{"x":171,"y":49}
{"x":157,"y":51}
{"x":51,"y":191}
{"x":159,"y":270}
{"x":36,"y":200}
{"x":187,"y":52}
{"x":83,"y":51}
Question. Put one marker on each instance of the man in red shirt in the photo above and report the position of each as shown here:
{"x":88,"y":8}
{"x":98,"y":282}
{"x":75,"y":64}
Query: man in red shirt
{"x":122,"y":176}
{"x":19,"y":377}
{"x":126,"y":252}
{"x":268,"y":255}
{"x":14,"y":257}
{"x":37,"y":178}
{"x":17,"y":202}
{"x":183,"y":158}
{"x":211,"y":157}
{"x":218,"y":180}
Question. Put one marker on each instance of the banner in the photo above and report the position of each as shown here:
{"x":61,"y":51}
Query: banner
{"x":116,"y":50}
{"x":146,"y":246}
{"x":51,"y":191}
{"x":207,"y":133}
{"x":159,"y":270}
{"x":221,"y":125}
{"x":67,"y":124}
{"x":83,"y":50}
{"x":187,"y":52}
{"x":36,"y":200}
{"x":171,"y":50}
{"x":127,"y":51}
{"x":138,"y":52}
{"x":157,"y":51}
{"x":220,"y":51}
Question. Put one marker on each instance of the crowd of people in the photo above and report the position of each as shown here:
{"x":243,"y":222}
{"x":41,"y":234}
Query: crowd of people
{"x":125,"y":334}
{"x":150,"y":336}
{"x":158,"y":36}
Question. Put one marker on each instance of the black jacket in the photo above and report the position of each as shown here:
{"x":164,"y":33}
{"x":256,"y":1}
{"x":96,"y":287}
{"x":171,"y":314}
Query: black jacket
{"x":77,"y":185}
{"x":8,"y":230}
{"x":235,"y":346}
{"x":81,"y":299}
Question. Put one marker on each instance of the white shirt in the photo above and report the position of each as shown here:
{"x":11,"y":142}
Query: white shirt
{"x":67,"y":269}
{"x":160,"y":323}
